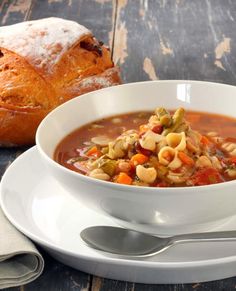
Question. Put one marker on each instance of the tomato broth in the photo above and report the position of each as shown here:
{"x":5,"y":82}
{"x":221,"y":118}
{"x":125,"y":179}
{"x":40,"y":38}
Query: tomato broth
{"x":74,"y":146}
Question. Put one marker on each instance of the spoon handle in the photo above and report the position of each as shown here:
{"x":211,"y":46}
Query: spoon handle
{"x":206,"y":236}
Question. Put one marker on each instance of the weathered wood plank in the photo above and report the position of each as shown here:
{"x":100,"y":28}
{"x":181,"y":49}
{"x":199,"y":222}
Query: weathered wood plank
{"x":95,"y":15}
{"x":99,"y":17}
{"x":176,"y":40}
{"x":7,"y":156}
{"x":99,"y":284}
{"x":57,"y":277}
{"x":14,"y":289}
{"x":14,"y":11}
{"x":162,"y":39}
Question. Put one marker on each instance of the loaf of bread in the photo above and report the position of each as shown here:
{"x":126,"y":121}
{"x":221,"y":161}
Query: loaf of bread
{"x":44,"y":63}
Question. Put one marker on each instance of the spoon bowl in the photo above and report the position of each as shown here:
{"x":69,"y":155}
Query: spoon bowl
{"x":127,"y":242}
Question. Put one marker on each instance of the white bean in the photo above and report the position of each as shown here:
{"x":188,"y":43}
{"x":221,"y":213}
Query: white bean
{"x":124,"y":166}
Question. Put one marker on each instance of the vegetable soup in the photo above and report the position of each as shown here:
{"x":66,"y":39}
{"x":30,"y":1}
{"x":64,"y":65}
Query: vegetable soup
{"x":160,"y":149}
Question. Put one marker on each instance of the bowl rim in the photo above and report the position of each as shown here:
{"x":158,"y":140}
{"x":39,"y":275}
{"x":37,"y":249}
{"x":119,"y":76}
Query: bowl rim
{"x":118,"y":186}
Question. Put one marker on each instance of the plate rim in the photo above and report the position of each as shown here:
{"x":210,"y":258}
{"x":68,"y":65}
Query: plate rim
{"x":138,"y":262}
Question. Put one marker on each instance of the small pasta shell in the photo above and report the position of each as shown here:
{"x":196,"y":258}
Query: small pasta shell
{"x":203,"y":161}
{"x":149,"y":140}
{"x":148,"y":143}
{"x":230,"y":147}
{"x":175,"y":163}
{"x":164,"y":152}
{"x":147,"y":175}
{"x":233,"y":153}
{"x":161,"y":144}
{"x":231,"y":173}
{"x":176,"y":178}
{"x":176,"y":140}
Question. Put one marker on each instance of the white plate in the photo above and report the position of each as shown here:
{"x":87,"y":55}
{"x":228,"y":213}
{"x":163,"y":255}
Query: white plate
{"x":39,"y":207}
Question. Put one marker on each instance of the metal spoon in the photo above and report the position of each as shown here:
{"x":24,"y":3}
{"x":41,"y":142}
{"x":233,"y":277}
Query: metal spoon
{"x":128,"y":242}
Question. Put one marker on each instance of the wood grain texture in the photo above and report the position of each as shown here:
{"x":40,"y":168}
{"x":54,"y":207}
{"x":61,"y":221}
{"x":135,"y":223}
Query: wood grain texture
{"x":21,"y":288}
{"x":151,"y":39}
{"x":181,"y":39}
{"x":14,"y":11}
{"x":58,"y":277}
{"x":7,"y":156}
{"x":95,"y":15}
{"x":100,"y":284}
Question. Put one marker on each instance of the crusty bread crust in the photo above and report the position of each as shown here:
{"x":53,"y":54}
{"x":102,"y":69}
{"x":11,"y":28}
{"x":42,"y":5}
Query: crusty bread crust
{"x":44,"y":63}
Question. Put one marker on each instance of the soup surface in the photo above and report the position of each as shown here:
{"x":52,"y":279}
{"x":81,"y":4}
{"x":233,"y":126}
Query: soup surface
{"x":160,"y":149}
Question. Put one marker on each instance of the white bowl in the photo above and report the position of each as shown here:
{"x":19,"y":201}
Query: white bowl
{"x":155,"y":210}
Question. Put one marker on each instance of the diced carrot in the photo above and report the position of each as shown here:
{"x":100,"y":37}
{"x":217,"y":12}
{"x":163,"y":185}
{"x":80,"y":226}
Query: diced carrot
{"x":123,"y":178}
{"x":93,"y":151}
{"x":204,"y":140}
{"x":185,"y":159}
{"x":143,"y":128}
{"x":233,"y":160}
{"x":139,"y":159}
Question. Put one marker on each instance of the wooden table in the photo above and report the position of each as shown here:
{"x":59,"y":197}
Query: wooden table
{"x":150,"y":39}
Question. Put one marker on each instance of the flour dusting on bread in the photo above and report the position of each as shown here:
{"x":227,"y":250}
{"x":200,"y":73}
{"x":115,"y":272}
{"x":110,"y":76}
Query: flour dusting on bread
{"x":102,"y":81}
{"x":42,"y":42}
